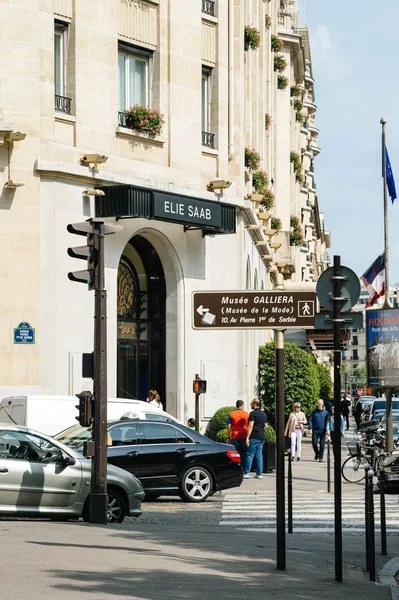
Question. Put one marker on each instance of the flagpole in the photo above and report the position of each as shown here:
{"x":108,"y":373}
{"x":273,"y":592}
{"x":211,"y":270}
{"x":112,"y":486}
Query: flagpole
{"x":387,"y":303}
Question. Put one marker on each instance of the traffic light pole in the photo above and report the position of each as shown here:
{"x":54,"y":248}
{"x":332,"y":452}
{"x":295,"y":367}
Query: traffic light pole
{"x":280,"y":450}
{"x":98,"y":496}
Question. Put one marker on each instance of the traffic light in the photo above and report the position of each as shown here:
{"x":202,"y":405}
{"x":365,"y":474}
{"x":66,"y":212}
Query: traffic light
{"x":199,"y":386}
{"x":88,"y":253}
{"x":85,"y":408}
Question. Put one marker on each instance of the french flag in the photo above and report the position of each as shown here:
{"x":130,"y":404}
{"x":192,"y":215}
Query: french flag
{"x":374,"y":280}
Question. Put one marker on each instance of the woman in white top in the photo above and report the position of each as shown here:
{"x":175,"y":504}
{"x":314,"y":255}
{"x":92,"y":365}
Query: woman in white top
{"x":294,"y":430}
{"x":157,"y":402}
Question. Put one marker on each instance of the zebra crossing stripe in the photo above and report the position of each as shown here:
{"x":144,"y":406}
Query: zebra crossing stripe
{"x":312,"y":513}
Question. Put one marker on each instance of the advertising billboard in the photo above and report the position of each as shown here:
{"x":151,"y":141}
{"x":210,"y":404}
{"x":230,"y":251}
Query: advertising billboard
{"x":382,"y":338}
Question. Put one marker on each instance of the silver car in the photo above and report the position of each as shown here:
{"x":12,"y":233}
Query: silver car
{"x":40,"y":477}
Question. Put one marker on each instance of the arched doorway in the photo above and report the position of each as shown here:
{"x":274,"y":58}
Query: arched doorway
{"x":141,"y":321}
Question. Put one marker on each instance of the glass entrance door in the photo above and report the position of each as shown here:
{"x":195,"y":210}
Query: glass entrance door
{"x":127,"y":370}
{"x":141,"y":322}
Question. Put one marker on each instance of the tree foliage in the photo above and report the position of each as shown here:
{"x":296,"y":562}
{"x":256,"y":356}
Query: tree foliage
{"x":301,"y":380}
{"x":325,"y":382}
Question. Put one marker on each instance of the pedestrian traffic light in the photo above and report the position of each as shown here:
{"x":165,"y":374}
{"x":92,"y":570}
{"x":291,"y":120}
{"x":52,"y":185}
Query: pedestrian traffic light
{"x":85,"y":408}
{"x":88,"y":253}
{"x":199,"y":386}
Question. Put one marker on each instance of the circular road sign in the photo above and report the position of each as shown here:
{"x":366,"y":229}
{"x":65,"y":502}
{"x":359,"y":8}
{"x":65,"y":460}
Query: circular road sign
{"x":350,"y":288}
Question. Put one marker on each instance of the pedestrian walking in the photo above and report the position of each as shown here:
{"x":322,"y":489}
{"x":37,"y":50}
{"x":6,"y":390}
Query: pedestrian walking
{"x":191,"y":423}
{"x":237,"y":427}
{"x":358,"y":413}
{"x":346,"y":403}
{"x":294,"y":430}
{"x":317,"y":427}
{"x":330,"y":431}
{"x":157,"y":401}
{"x":257,"y":423}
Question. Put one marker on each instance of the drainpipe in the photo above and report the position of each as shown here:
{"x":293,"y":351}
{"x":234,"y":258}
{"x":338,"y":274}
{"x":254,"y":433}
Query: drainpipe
{"x":231,"y":79}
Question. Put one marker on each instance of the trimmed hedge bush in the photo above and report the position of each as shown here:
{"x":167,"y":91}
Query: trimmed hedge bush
{"x":219,"y":419}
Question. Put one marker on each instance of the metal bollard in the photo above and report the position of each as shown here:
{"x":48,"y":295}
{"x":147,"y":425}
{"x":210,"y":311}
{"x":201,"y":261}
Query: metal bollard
{"x":328,"y":466}
{"x":289,"y":499}
{"x":366,"y":518}
{"x":383,"y":520}
{"x":371,"y":526}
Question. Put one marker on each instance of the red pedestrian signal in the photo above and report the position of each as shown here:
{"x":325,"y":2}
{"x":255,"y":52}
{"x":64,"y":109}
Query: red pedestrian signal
{"x":199,"y":386}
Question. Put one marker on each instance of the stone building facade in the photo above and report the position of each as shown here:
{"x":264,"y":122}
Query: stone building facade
{"x":70,"y":71}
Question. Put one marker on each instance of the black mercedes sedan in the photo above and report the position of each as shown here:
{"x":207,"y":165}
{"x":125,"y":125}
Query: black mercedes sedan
{"x":168,"y":458}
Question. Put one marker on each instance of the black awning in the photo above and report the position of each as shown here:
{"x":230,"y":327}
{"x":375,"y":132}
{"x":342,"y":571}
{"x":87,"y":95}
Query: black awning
{"x":128,"y":202}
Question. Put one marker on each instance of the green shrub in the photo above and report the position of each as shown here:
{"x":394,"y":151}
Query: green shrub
{"x":301,"y":380}
{"x":221,"y":436}
{"x":325,"y":381}
{"x":219,"y":419}
{"x":270,"y":435}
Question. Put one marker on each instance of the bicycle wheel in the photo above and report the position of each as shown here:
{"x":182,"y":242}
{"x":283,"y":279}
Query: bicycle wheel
{"x":353,"y":469}
{"x":379,"y":461}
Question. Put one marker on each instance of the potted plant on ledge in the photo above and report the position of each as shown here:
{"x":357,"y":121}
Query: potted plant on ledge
{"x":251,"y":38}
{"x":144,"y":120}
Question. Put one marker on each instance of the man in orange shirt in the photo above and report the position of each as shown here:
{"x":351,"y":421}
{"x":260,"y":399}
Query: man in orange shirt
{"x":237,"y":427}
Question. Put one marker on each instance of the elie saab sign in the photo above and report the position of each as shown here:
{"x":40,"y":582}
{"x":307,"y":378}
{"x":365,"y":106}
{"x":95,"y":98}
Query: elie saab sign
{"x":189,"y":211}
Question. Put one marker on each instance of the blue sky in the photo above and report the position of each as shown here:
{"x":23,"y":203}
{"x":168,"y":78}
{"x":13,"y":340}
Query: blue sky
{"x":355,"y":65}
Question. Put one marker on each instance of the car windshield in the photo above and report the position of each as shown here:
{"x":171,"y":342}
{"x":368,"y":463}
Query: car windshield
{"x":75,"y":436}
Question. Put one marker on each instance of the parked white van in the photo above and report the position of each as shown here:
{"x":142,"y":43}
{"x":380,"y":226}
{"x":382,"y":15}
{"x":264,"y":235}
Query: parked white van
{"x":52,"y":414}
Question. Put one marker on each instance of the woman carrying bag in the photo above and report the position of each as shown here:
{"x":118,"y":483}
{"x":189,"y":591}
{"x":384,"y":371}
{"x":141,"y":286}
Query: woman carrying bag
{"x":294,"y":430}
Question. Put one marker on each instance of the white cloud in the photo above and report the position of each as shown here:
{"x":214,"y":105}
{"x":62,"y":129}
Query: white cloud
{"x":328,"y":60}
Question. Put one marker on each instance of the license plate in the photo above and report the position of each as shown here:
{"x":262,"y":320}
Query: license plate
{"x":392,"y":477}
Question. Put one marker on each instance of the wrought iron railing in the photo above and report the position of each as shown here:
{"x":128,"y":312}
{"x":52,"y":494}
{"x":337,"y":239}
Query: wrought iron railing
{"x":208,"y":7}
{"x":63,"y":104}
{"x":121,"y":119}
{"x":208,"y":139}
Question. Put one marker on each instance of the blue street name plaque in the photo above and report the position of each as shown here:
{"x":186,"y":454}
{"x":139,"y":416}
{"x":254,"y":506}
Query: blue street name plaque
{"x":24,"y":334}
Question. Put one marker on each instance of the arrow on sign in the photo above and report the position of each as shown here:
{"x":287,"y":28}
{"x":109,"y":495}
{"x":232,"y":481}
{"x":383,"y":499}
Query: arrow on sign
{"x":201,"y":310}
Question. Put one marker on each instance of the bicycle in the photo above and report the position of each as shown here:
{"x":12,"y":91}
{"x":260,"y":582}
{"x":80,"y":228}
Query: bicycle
{"x":354,"y":467}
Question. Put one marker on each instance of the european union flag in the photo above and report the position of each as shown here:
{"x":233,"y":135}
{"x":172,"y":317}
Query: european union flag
{"x":390,"y":179}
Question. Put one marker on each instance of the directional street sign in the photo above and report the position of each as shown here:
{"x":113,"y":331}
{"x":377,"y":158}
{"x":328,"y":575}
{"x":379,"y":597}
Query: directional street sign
{"x":254,"y":309}
{"x":349,"y":320}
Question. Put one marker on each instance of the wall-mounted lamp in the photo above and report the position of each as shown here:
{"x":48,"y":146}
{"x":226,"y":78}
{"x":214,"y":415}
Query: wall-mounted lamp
{"x":93,"y":193}
{"x":14,"y":136}
{"x":93,"y":159}
{"x":218,"y":184}
{"x":252,"y":226}
{"x":255,"y":197}
{"x":11,"y":137}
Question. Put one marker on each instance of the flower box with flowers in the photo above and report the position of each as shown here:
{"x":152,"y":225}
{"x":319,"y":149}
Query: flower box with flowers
{"x":143,"y":119}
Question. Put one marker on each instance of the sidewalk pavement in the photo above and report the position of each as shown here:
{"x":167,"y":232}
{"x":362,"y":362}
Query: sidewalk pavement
{"x":44,"y":560}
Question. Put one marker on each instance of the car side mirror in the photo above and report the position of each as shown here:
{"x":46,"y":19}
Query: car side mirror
{"x":68,"y":461}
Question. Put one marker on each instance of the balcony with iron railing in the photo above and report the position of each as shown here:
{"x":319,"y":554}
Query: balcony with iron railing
{"x":62,"y":104}
{"x":208,"y":7}
{"x":208,"y":139}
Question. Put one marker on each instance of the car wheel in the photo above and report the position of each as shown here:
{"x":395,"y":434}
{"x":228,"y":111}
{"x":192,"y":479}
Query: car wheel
{"x":196,"y":484}
{"x":116,"y":509}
